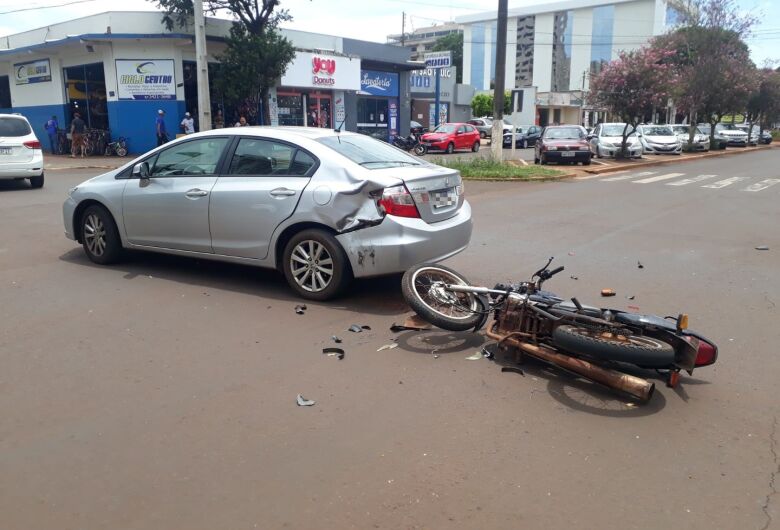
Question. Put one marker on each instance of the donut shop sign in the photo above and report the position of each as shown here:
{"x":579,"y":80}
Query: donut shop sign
{"x":312,"y":70}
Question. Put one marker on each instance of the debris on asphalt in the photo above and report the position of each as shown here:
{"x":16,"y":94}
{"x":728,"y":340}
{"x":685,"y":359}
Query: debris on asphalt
{"x":334,"y":352}
{"x":512,"y":369}
{"x":631,"y":297}
{"x":300,"y":309}
{"x":762,"y":247}
{"x":435,"y":356}
{"x":572,"y":253}
{"x":633,"y":307}
{"x":388,"y":346}
{"x":336,"y":339}
{"x":303,"y":402}
{"x":412,"y":323}
{"x":354,"y":328}
{"x":486,"y":353}
{"x":608,"y":292}
{"x":477,"y":356}
{"x":573,"y":277}
{"x":639,"y":265}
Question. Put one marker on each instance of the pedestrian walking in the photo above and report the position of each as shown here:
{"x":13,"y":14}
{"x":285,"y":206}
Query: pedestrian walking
{"x":77,"y":129}
{"x":159,"y":125}
{"x":51,"y":129}
{"x":187,"y":124}
{"x":242,"y":122}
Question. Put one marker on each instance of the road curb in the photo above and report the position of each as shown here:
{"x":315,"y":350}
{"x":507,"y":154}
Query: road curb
{"x":528,"y":179}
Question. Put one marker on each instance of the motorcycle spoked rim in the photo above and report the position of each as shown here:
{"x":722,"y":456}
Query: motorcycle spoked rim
{"x":446,"y":275}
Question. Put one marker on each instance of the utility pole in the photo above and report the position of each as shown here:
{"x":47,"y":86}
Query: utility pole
{"x":497,"y":136}
{"x":403,"y":26}
{"x":202,"y":67}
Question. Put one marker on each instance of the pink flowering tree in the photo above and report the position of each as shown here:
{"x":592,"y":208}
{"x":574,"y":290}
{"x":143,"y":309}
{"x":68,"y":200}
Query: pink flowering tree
{"x":632,"y":86}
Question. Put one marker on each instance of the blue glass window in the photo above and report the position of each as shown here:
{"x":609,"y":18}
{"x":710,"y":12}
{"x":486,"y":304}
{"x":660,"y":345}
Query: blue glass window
{"x":601,"y":41}
{"x":478,"y":56}
{"x":493,"y":41}
{"x":561,"y":60}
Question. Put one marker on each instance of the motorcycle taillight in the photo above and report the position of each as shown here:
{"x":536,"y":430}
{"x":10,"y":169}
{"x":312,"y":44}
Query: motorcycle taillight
{"x":706,"y":354}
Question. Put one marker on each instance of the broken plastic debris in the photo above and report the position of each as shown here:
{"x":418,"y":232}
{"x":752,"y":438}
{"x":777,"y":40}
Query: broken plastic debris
{"x":513,"y":370}
{"x":631,"y":297}
{"x":303,"y":402}
{"x":336,"y":339}
{"x":300,"y":309}
{"x":572,"y":253}
{"x":634,"y":307}
{"x":435,"y":356}
{"x":477,"y":356}
{"x":573,"y":277}
{"x":388,"y":346}
{"x":354,"y":328}
{"x":762,"y":247}
{"x":486,"y":353}
{"x":334,"y":352}
{"x":639,"y":265}
{"x":607,"y":292}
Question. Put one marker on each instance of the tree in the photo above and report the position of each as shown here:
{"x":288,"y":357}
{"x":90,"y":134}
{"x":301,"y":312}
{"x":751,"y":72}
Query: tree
{"x":452,"y":42}
{"x":256,"y":55}
{"x":632,"y":86}
{"x":764,"y":104}
{"x":482,"y":104}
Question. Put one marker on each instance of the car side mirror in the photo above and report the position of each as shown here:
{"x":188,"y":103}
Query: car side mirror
{"x":458,"y":133}
{"x":141,"y":170}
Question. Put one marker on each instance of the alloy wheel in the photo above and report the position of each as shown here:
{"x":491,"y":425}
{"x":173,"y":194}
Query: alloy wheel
{"x":311,"y":265}
{"x":95,"y":234}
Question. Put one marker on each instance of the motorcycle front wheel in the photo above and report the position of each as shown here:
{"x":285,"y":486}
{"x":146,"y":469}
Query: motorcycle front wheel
{"x":423,"y":288}
{"x":420,"y":150}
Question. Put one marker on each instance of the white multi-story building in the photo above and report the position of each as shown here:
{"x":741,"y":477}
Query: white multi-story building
{"x":555,"y":47}
{"x":422,"y":40}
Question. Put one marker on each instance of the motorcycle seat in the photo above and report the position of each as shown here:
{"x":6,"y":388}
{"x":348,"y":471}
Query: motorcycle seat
{"x":645,"y":320}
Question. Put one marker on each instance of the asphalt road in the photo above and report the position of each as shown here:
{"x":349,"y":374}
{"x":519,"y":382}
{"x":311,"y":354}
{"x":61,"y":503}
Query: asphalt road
{"x":160,"y":393}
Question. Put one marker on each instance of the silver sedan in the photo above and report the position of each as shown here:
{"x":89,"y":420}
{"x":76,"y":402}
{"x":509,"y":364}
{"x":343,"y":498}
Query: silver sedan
{"x":319,"y":205}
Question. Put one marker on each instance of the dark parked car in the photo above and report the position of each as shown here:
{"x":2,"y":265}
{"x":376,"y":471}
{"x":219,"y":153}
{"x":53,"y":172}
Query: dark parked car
{"x":766,"y":137}
{"x":563,"y":144}
{"x":524,"y":136}
{"x":483,"y":125}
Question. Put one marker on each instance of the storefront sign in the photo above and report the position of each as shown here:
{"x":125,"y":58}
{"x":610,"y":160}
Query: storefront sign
{"x":312,"y":70}
{"x":424,"y":81}
{"x":375,"y":83}
{"x":438,"y":59}
{"x":32,"y":72}
{"x":142,"y":79}
{"x":393,"y":120}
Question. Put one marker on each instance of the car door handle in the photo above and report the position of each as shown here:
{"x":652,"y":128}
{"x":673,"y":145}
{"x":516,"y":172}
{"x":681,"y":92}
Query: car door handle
{"x":195,"y":193}
{"x":283,"y":192}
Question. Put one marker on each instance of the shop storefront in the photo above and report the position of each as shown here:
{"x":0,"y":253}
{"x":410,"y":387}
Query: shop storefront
{"x":377,"y":105}
{"x":422,"y":86}
{"x":311,"y":92}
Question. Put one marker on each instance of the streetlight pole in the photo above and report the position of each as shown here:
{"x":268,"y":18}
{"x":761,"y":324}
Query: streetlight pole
{"x":202,"y":67}
{"x":497,"y":135}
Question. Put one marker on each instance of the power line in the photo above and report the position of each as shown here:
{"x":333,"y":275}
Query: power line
{"x":45,"y":7}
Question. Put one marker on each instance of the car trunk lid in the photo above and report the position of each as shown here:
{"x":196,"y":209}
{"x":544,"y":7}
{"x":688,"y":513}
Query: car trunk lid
{"x":12,"y":150}
{"x":437,"y":191}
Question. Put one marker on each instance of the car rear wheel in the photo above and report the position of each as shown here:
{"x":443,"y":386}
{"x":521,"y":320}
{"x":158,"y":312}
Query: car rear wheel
{"x":475,"y":147}
{"x":315,"y":265}
{"x":99,"y":236}
{"x":36,"y":182}
{"x":450,"y":148}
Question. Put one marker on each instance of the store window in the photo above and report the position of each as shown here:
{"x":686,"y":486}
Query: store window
{"x":372,"y":117}
{"x":561,"y":58}
{"x":5,"y":92}
{"x":85,"y":87}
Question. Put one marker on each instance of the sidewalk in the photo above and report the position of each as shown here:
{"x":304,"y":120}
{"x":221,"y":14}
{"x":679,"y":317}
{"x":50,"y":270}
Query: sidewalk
{"x":55,"y":162}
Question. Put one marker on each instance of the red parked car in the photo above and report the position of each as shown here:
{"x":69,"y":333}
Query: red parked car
{"x":563,"y":144}
{"x":448,"y":137}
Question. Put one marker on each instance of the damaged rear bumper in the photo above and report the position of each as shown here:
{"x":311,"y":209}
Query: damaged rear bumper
{"x":399,"y":243}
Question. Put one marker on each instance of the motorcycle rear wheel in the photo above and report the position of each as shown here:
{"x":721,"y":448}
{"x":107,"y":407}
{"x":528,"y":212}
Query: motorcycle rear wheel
{"x":639,"y":350}
{"x":421,"y":288}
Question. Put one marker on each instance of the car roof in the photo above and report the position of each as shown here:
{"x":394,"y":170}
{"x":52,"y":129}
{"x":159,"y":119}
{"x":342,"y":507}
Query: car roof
{"x":14,"y":116}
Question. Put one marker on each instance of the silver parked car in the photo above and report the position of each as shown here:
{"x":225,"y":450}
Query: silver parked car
{"x":701,"y":141}
{"x":21,"y":155}
{"x":319,"y":205}
{"x":606,"y":139}
{"x":659,"y":139}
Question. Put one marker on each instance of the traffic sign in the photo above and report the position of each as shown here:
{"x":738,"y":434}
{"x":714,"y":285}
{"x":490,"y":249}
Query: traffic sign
{"x":438,"y":59}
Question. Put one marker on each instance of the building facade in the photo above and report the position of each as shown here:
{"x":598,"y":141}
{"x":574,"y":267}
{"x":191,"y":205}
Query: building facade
{"x":422,"y":40}
{"x":117,"y":69}
{"x":556,"y":47}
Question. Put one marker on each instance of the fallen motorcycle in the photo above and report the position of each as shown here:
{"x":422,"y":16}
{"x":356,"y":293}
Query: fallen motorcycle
{"x":594,"y":343}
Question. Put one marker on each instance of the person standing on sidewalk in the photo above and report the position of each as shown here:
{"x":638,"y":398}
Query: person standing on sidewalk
{"x":187,"y":124}
{"x":159,"y":125}
{"x":77,"y":128}
{"x":51,"y":129}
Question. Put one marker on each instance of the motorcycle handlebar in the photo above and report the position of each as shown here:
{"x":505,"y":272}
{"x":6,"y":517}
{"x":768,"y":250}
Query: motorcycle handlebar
{"x":555,"y":271}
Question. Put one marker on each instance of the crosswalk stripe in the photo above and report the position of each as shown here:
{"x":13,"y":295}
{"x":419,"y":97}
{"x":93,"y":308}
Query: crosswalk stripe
{"x":691,"y":180}
{"x":630,"y":176}
{"x":659,"y":178}
{"x":723,"y":183}
{"x":764,"y":184}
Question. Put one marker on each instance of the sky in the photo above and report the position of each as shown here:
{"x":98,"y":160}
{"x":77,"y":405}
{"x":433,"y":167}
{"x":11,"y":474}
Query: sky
{"x":362,"y":19}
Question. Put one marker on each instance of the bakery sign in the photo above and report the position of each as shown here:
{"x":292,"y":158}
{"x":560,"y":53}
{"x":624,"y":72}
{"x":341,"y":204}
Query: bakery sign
{"x":313,"y":70}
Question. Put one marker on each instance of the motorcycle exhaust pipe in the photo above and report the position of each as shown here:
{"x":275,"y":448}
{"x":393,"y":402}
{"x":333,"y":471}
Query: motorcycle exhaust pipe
{"x":628,"y":384}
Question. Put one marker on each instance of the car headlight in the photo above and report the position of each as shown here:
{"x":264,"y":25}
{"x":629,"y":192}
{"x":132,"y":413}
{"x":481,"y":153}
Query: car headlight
{"x":584,"y":148}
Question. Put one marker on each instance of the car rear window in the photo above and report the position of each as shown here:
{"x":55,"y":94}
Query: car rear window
{"x":14,"y":127}
{"x":564,"y":133}
{"x":368,"y":152}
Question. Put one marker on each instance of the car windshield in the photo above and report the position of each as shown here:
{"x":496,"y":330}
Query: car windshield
{"x":447,"y":128}
{"x":14,"y":127}
{"x":705,"y":128}
{"x":368,"y":152}
{"x":564,"y":133}
{"x":657,"y":131}
{"x":683,"y":129}
{"x":613,"y":130}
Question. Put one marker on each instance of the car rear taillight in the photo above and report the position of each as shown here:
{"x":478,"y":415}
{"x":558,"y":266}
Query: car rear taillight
{"x":399,"y":202}
{"x":706,"y":354}
{"x":32,"y":144}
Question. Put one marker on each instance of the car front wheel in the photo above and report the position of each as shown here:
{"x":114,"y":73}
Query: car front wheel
{"x":99,"y":236}
{"x":450,"y":148}
{"x":315,"y":265}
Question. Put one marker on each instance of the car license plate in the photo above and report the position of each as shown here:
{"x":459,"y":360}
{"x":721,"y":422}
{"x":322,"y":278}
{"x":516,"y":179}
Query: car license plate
{"x":443,"y":198}
{"x":5,"y":150}
{"x":567,"y":154}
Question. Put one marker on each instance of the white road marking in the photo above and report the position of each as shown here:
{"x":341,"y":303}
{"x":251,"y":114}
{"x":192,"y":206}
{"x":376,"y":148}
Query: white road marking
{"x":723,"y":183}
{"x":691,"y":180}
{"x":630,"y":176}
{"x":764,"y":184}
{"x":659,"y":178}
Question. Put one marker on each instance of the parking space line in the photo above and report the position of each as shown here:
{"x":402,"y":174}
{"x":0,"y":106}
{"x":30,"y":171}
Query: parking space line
{"x":630,"y":176}
{"x":764,"y":184}
{"x":691,"y":180}
{"x":723,"y":183}
{"x":659,"y":178}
